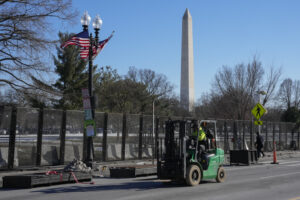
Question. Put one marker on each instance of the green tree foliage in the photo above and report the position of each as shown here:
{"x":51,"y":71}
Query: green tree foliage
{"x":157,"y":87}
{"x":116,"y":94}
{"x":133,"y":93}
{"x":72,"y":73}
{"x":104,"y":88}
{"x":292,"y":114}
{"x":170,"y":106}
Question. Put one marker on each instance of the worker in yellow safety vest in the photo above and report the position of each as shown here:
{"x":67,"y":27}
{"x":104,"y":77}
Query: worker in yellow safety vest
{"x":203,"y":144}
{"x":202,"y":135}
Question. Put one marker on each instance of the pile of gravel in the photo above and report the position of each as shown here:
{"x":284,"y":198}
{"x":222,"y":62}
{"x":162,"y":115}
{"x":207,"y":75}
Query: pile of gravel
{"x":77,"y":165}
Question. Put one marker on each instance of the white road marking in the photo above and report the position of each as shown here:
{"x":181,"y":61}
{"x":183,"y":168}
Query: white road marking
{"x":266,"y":177}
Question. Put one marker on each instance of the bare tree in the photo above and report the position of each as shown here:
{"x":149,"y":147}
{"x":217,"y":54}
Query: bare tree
{"x":296,"y":88}
{"x":157,"y":84}
{"x":234,"y":88}
{"x":289,"y":93}
{"x":270,"y":84}
{"x":24,"y":25}
{"x":285,"y":92}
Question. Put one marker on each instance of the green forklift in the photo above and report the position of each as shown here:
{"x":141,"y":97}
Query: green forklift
{"x":183,"y":159}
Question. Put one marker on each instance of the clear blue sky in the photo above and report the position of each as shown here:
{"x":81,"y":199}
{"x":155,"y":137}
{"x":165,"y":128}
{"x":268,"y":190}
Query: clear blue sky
{"x":148,"y":35}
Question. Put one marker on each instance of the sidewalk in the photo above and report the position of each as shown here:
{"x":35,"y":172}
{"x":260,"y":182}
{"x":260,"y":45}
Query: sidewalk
{"x":269,"y":156}
{"x":280,"y":155}
{"x":101,"y":169}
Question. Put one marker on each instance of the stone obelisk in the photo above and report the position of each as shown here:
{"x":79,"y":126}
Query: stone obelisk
{"x":187,"y":64}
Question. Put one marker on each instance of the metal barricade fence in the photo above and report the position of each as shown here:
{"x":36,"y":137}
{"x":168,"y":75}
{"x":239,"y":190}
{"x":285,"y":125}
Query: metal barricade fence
{"x":132,"y":137}
{"x":74,"y":136}
{"x":114,"y":136}
{"x":30,"y":137}
{"x":5,"y":121}
{"x":26,"y":136}
{"x":50,"y":149}
{"x":98,"y":139}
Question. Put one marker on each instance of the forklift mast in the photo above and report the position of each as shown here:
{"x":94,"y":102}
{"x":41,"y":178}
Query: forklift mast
{"x":175,"y":156}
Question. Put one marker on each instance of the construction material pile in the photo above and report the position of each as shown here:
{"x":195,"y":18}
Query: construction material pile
{"x":77,"y":166}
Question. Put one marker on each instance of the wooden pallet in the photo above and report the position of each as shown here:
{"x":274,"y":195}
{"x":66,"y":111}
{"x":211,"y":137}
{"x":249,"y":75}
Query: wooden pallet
{"x":41,"y":179}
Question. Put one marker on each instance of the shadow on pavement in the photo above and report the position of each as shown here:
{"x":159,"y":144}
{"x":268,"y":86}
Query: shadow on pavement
{"x":141,"y":185}
{"x":137,"y":185}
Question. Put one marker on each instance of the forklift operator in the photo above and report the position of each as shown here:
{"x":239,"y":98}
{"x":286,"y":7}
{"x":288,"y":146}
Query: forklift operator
{"x":202,"y":138}
{"x":202,"y":135}
{"x":203,"y":143}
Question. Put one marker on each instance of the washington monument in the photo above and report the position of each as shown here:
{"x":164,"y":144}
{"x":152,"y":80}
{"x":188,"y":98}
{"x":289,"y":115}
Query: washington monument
{"x":187,"y":64}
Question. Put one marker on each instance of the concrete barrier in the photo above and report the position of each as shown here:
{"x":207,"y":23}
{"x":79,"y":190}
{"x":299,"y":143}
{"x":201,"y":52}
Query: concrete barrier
{"x":147,"y":152}
{"x":3,"y":157}
{"x":114,"y":151}
{"x":73,"y":151}
{"x":50,"y":155}
{"x":131,"y":151}
{"x":26,"y":155}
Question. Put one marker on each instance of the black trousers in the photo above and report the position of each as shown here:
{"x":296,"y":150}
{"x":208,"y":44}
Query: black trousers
{"x":259,"y":151}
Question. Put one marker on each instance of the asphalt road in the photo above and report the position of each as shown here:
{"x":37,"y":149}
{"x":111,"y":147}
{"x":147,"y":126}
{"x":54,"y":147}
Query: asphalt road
{"x":262,"y":181}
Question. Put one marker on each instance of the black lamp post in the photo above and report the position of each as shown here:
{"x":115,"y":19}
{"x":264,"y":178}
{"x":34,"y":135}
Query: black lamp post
{"x":85,"y":20}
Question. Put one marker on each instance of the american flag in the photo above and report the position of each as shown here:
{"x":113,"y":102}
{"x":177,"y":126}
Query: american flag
{"x":82,"y":40}
{"x":101,"y":45}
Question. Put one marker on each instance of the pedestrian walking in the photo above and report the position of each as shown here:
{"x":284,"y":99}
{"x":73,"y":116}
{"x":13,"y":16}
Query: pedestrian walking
{"x":259,"y":144}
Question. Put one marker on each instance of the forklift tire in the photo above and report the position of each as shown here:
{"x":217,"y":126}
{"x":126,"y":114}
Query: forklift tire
{"x":193,"y":175}
{"x":221,"y":175}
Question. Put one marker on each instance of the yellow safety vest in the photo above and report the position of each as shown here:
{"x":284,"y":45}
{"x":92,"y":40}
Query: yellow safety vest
{"x":202,"y":135}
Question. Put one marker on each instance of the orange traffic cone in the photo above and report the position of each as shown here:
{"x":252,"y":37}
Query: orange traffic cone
{"x":274,"y":154}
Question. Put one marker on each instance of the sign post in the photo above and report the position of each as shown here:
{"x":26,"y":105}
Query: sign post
{"x":89,"y":123}
{"x":258,"y":111}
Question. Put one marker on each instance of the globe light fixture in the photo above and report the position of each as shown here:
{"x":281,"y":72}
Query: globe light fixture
{"x":85,"y":19}
{"x":261,"y":92}
{"x":97,"y":23}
